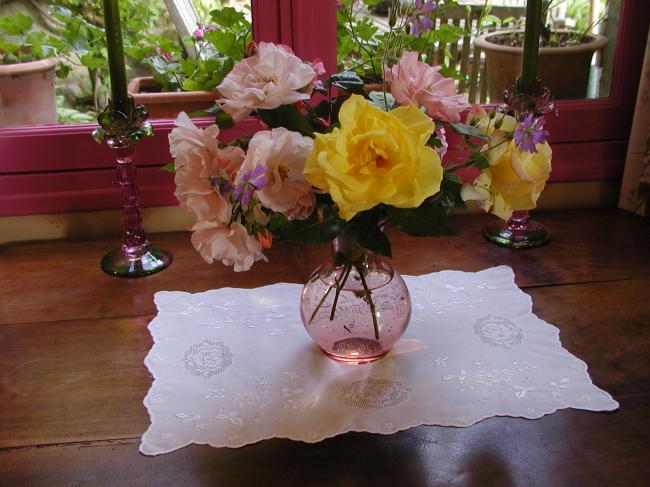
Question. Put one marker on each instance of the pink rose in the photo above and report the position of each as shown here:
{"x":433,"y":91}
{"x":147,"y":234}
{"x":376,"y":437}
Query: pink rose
{"x":202,"y":168}
{"x":230,"y":244}
{"x":272,"y":77}
{"x":200,"y":197}
{"x":417,"y":83}
{"x":282,"y":153}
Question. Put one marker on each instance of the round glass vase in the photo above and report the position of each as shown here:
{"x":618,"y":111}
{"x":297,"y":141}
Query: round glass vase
{"x":339,"y":300}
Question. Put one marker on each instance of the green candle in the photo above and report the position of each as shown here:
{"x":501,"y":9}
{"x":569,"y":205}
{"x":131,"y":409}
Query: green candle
{"x":115,"y":55}
{"x":531,"y":46}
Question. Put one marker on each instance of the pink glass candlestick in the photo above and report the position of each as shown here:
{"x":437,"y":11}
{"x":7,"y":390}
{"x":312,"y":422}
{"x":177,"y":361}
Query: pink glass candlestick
{"x":519,"y":232}
{"x":136,"y":257}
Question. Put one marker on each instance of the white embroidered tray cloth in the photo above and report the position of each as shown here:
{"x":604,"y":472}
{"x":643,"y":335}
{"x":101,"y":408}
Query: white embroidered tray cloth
{"x":235,"y":366}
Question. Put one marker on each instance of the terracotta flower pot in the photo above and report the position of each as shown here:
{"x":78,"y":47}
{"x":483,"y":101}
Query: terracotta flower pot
{"x":160,"y":104}
{"x":564,"y":70}
{"x":27,"y":93}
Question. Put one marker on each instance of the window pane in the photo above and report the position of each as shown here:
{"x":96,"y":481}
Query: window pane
{"x":172,"y":48}
{"x":461,"y":37}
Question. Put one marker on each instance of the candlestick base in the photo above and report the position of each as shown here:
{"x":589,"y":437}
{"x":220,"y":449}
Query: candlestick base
{"x":519,"y":232}
{"x":129,"y":262}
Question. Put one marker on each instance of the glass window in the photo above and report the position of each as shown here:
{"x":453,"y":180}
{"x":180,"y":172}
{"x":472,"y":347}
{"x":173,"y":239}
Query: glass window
{"x":177,"y":52}
{"x":478,"y":42}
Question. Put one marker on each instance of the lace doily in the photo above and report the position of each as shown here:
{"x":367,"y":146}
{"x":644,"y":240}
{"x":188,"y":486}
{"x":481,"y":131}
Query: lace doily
{"x":235,"y":366}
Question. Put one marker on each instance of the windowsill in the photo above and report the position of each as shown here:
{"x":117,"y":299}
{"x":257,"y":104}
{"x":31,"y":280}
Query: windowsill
{"x":86,"y":224}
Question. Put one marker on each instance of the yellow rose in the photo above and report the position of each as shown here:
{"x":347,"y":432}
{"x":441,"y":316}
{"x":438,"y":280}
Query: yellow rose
{"x":514,"y":179}
{"x":375,"y":157}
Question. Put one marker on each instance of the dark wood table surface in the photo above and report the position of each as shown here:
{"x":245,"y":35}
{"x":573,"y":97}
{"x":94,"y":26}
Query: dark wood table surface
{"x":72,"y":379}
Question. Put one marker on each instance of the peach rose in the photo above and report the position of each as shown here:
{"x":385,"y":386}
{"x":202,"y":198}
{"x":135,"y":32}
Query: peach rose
{"x":274,"y":76}
{"x":283,"y":154}
{"x":232,"y":245}
{"x":202,"y":168}
{"x":416,"y":83}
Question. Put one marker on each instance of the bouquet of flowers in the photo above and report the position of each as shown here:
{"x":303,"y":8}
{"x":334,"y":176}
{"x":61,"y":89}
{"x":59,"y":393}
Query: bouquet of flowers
{"x":331,"y":158}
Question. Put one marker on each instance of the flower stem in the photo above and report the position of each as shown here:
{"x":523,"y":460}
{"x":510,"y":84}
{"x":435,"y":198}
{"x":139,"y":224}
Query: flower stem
{"x":339,"y":287}
{"x":320,"y":303}
{"x":371,"y":303}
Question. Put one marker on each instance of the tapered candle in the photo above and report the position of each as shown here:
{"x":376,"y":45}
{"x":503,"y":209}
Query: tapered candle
{"x":115,"y":55}
{"x":529,"y":61}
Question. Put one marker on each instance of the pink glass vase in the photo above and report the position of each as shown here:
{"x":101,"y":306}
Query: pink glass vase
{"x":340,"y":299}
{"x":519,"y":232}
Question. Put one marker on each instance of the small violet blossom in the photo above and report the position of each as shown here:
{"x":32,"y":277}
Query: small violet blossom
{"x":420,"y":22}
{"x":200,"y":32}
{"x":221,"y":183}
{"x":252,"y":180}
{"x":529,"y":133}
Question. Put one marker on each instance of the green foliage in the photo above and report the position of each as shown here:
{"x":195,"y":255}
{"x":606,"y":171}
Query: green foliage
{"x":322,"y":226}
{"x":286,"y":116}
{"x":82,"y":38}
{"x":364,"y":47}
{"x":71,"y":115}
{"x":217,"y":46}
{"x":348,"y":81}
{"x":430,"y":218}
{"x":383,"y":100}
{"x":20,"y":44}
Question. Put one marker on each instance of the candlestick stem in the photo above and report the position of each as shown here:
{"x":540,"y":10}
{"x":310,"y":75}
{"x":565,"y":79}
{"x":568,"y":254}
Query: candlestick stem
{"x":136,"y":257}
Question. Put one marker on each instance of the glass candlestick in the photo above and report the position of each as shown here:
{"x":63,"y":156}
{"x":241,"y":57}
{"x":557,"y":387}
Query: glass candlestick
{"x":136,"y":257}
{"x":122,"y":130}
{"x":519,"y":232}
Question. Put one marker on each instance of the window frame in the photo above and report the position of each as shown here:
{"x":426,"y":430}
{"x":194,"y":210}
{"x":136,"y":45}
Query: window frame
{"x":59,"y":168}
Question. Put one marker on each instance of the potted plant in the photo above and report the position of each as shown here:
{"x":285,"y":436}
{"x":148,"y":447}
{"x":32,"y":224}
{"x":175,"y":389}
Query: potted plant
{"x":568,"y":52}
{"x":187,"y":83}
{"x":27,"y":72}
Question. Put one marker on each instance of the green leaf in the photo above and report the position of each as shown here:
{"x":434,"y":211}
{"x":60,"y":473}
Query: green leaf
{"x":170,"y":167}
{"x":423,"y":221}
{"x":63,"y":70}
{"x":223,"y":120}
{"x":382,"y":102}
{"x":479,"y":160}
{"x":376,"y":241}
{"x":286,"y":116}
{"x":93,"y":62}
{"x":465,"y":129}
{"x":430,"y":218}
{"x":226,"y":43}
{"x":364,"y":227}
{"x":9,"y":47}
{"x":227,"y":17}
{"x":349,"y":81}
{"x":16,"y":23}
{"x":309,"y":231}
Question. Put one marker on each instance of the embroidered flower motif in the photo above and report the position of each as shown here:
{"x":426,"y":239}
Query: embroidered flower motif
{"x":498,"y":331}
{"x":207,"y":358}
{"x":373,"y":393}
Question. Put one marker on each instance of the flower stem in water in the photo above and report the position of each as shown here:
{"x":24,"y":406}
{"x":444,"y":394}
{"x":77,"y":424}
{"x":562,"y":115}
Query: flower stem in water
{"x":371,"y":303}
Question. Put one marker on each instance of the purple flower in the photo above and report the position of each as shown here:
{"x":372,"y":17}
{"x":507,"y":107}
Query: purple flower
{"x":420,"y":22}
{"x":425,"y":7}
{"x":529,"y":133}
{"x":251,"y":181}
{"x":199,"y":33}
{"x":221,"y":183}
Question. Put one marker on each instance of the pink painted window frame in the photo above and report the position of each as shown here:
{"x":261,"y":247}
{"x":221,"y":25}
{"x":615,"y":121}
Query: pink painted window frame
{"x":47,"y":169}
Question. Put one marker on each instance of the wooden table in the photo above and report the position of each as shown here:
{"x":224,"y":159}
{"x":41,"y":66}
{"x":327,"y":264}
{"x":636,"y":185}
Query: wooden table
{"x":72,"y":379}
